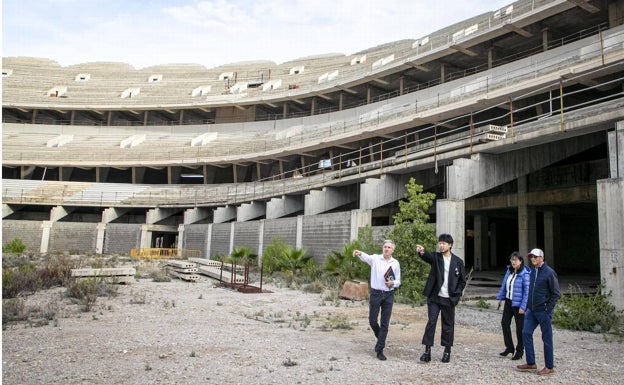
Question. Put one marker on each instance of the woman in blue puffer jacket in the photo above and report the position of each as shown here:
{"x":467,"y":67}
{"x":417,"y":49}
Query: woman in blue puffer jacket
{"x":514,"y":291}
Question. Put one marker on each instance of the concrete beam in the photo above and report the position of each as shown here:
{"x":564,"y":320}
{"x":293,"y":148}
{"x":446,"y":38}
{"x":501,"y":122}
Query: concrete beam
{"x":112,"y":213}
{"x":59,"y":212}
{"x":286,"y":205}
{"x":196,"y":214}
{"x":224,"y":214}
{"x":317,"y":202}
{"x":482,"y":172}
{"x":381,"y":191}
{"x":248,"y":211}
{"x":156,"y":215}
{"x":9,"y":209}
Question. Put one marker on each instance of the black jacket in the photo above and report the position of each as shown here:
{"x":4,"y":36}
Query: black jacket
{"x":456,"y":279}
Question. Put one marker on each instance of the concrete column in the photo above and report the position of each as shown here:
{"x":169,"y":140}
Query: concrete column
{"x":180,"y":239}
{"x":46,"y":227}
{"x":146,"y":237}
{"x":610,"y":196}
{"x":493,"y":249}
{"x":615,"y":140}
{"x":208,"y":240}
{"x":545,"y":39}
{"x":99,"y":238}
{"x":526,"y":219}
{"x":359,"y":218}
{"x":232,"y":232}
{"x":480,"y":241}
{"x":196,"y":214}
{"x":299,"y":238}
{"x":260,"y":241}
{"x":450,"y":220}
{"x":551,"y":227}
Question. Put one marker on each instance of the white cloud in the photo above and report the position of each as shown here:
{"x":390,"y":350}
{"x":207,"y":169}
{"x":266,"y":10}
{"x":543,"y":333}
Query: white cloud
{"x":217,"y":32}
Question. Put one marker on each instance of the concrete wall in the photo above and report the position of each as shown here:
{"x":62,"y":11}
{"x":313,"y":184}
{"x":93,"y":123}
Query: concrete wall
{"x":282,"y":228}
{"x":220,"y":242}
{"x":120,"y":238}
{"x":75,"y":237}
{"x":611,"y":223}
{"x":28,"y":231}
{"x":196,"y":238}
{"x":325,"y":233}
{"x":247,"y":234}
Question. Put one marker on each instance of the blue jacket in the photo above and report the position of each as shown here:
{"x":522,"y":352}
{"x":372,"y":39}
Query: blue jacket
{"x":544,"y":289}
{"x":520,"y":288}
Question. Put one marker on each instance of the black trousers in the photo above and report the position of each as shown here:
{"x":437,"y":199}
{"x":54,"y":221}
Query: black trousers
{"x":436,"y":306}
{"x":380,"y":301}
{"x":510,"y":312}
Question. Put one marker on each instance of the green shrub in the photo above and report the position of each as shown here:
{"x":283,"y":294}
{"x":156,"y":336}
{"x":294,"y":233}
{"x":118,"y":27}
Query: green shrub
{"x":14,"y":246}
{"x":577,"y":311}
{"x":13,"y":310}
{"x":345,"y":266}
{"x":87,"y":290}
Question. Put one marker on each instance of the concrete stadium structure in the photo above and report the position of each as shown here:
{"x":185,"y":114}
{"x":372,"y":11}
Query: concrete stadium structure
{"x":513,"y":118}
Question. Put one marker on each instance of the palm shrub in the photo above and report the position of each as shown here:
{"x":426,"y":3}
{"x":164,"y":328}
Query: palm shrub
{"x":412,"y":227}
{"x":272,"y":255}
{"x":344,"y":266}
{"x":16,"y":245}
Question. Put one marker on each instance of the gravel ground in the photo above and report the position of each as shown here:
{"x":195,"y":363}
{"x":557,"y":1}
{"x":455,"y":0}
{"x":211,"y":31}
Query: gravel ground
{"x":197,"y":333}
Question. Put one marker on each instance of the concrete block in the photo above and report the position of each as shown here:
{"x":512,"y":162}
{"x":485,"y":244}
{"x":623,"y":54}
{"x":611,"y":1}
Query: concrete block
{"x":354,"y":290}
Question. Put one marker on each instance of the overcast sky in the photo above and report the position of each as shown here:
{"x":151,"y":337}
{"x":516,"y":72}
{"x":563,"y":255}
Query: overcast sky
{"x":216,"y":32}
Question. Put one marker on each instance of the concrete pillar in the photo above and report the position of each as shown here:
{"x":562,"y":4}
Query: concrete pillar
{"x":59,"y":212}
{"x":208,"y":240}
{"x":493,"y":249}
{"x":480,"y":242}
{"x":615,"y":140}
{"x":450,"y":220}
{"x":232,"y":232}
{"x":146,"y":237}
{"x":46,"y":227}
{"x":359,"y":218}
{"x":99,"y":238}
{"x":180,"y":239}
{"x":260,"y":241}
{"x":158,"y":214}
{"x":551,"y":227}
{"x":526,"y":219}
{"x":299,"y":237}
{"x":610,"y":196}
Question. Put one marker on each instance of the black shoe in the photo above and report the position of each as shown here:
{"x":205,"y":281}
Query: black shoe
{"x":506,"y":352}
{"x":381,"y":356}
{"x":426,"y":357}
{"x":446,"y":357}
{"x":517,"y":356}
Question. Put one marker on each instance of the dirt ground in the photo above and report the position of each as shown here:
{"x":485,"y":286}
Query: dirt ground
{"x":190,"y":333}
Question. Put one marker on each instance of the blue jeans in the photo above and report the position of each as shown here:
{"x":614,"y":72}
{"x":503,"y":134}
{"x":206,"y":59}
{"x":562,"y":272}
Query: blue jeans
{"x":544,"y":320}
{"x":380,"y":300}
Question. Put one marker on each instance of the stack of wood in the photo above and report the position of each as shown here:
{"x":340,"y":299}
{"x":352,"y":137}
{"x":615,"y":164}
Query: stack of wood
{"x":184,"y":270}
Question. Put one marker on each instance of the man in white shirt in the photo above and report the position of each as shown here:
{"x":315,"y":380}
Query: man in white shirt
{"x":385,"y":277}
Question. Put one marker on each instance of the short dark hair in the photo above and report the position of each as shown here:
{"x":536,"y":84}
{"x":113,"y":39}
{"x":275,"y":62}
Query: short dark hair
{"x":445,"y":238}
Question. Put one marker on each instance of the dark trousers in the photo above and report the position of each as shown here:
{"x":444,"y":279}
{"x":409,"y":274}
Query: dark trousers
{"x":436,"y":306}
{"x":380,"y":300}
{"x":510,"y":312}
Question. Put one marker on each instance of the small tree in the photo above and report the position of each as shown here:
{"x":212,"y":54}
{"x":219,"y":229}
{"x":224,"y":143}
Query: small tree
{"x":411,"y":228}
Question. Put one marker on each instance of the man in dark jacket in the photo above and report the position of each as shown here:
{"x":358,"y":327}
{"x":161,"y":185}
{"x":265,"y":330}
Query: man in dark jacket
{"x":543,"y":296}
{"x":444,"y":286}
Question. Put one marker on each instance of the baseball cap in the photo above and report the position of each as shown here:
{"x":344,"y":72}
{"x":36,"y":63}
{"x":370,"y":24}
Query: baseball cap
{"x":536,"y":252}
